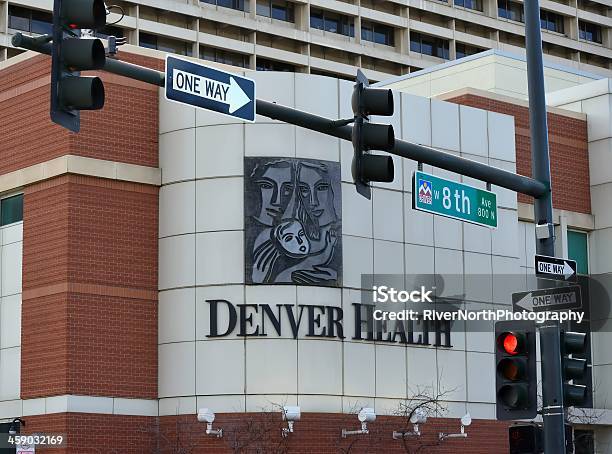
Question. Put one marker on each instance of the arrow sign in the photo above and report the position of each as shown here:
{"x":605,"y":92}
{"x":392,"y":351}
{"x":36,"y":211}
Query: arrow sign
{"x":210,"y":88}
{"x":551,"y":299}
{"x":555,"y":268}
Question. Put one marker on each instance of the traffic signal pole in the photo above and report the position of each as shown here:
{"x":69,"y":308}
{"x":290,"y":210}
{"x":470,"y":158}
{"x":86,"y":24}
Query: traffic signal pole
{"x":550,"y":343}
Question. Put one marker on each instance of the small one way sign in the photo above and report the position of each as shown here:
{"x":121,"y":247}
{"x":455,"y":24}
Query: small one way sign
{"x":210,"y":88}
{"x":555,"y":268}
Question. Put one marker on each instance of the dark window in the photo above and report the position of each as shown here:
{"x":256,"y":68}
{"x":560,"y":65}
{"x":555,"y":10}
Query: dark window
{"x":463,"y":50}
{"x":11,"y":210}
{"x":233,"y":4}
{"x":590,"y":32}
{"x":223,"y":56}
{"x":471,"y":4}
{"x":377,"y":33}
{"x":29,"y":20}
{"x":276,"y":9}
{"x":510,"y":10}
{"x":271,"y":65}
{"x":165,"y":44}
{"x":429,"y":45}
{"x":551,"y":21}
{"x":332,"y":22}
{"x":584,"y":442}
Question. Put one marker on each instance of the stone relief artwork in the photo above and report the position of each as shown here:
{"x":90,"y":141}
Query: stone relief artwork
{"x":293,"y":227}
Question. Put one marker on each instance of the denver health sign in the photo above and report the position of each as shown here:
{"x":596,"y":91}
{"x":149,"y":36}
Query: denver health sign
{"x":455,"y":200}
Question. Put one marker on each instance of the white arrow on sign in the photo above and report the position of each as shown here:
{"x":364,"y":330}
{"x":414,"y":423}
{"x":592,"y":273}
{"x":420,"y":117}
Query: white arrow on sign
{"x":567,"y":270}
{"x":231,"y":94}
{"x":549,"y":299}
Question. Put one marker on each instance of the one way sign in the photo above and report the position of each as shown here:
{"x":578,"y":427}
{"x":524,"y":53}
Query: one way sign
{"x":552,"y":299}
{"x":555,"y":268}
{"x":210,"y":88}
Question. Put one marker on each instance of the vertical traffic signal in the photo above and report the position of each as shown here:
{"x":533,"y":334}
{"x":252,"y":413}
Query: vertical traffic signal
{"x":573,"y":368}
{"x":71,"y":92}
{"x":515,"y":374}
{"x":367,"y":136}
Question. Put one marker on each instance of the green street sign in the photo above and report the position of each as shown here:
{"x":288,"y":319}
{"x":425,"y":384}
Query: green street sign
{"x":454,"y":200}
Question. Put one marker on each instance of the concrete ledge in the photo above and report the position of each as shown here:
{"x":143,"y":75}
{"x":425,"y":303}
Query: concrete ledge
{"x":79,"y":165}
{"x":581,"y":221}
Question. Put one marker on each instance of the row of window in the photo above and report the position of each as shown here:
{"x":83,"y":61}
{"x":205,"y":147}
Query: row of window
{"x":11,"y":210}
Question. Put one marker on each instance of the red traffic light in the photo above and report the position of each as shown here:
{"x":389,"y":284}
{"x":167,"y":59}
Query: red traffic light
{"x":511,"y":343}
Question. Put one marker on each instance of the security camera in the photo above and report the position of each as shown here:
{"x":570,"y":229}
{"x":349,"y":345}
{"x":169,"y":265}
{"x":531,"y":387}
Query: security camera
{"x":12,"y":430}
{"x":291,"y":413}
{"x":367,"y":415}
{"x":206,"y":415}
{"x":466,"y":420}
{"x":418,"y":417}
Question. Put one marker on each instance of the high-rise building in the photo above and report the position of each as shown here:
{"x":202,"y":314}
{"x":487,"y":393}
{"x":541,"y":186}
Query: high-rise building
{"x":388,"y":37}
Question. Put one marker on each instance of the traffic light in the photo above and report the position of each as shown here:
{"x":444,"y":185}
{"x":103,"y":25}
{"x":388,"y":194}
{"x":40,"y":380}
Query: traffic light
{"x":525,"y":438}
{"x":515,"y":374}
{"x":573,"y":368}
{"x":368,"y":136}
{"x":71,"y":92}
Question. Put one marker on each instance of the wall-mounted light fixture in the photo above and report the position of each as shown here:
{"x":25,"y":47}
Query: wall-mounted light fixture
{"x":290,"y":414}
{"x":417,"y":417}
{"x":365,"y":416}
{"x":208,"y":416}
{"x":14,"y":427}
{"x":466,"y":420}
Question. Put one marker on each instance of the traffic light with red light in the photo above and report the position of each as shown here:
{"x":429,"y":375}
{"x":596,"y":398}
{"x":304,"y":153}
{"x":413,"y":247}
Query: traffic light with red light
{"x":367,"y":167}
{"x":573,"y":368}
{"x":515,"y":370}
{"x":70,"y":92}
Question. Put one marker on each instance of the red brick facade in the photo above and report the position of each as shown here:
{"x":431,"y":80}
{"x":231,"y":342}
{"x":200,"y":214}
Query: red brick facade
{"x":89,"y":312}
{"x":569,"y":158}
{"x":315,"y":433}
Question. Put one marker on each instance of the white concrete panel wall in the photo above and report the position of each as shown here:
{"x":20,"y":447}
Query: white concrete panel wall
{"x":10,"y":311}
{"x":202,"y":257}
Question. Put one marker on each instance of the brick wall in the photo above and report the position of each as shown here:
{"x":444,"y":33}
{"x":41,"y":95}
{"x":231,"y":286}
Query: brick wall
{"x":125,"y":130}
{"x":569,"y":161}
{"x":89,"y":311}
{"x":318,"y":433}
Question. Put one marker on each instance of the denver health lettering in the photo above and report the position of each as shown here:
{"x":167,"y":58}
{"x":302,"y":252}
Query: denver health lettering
{"x":455,"y":200}
{"x":255,"y":320}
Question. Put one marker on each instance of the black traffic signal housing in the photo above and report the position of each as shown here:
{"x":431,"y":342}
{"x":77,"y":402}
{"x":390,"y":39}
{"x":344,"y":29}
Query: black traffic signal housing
{"x":368,"y":136}
{"x":525,"y":438}
{"x":573,"y":368}
{"x":71,"y":92}
{"x":515,"y":370}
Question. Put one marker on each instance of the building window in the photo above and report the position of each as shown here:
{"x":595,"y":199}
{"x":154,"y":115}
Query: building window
{"x":463,"y":50}
{"x":590,"y":32}
{"x":224,"y":56}
{"x":232,"y":4}
{"x":276,"y":9}
{"x":271,"y":65}
{"x":377,"y":33}
{"x":172,"y":46}
{"x":429,"y":45}
{"x":551,"y":21}
{"x":584,"y":441}
{"x":332,"y":22}
{"x":510,"y":10}
{"x":11,"y":210}
{"x":578,"y":250}
{"x":470,"y":4}
{"x":29,"y":20}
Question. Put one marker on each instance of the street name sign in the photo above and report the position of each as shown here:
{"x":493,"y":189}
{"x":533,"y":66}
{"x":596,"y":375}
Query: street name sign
{"x":454,"y":200}
{"x":210,"y":88}
{"x":551,"y":299}
{"x":555,"y":268}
